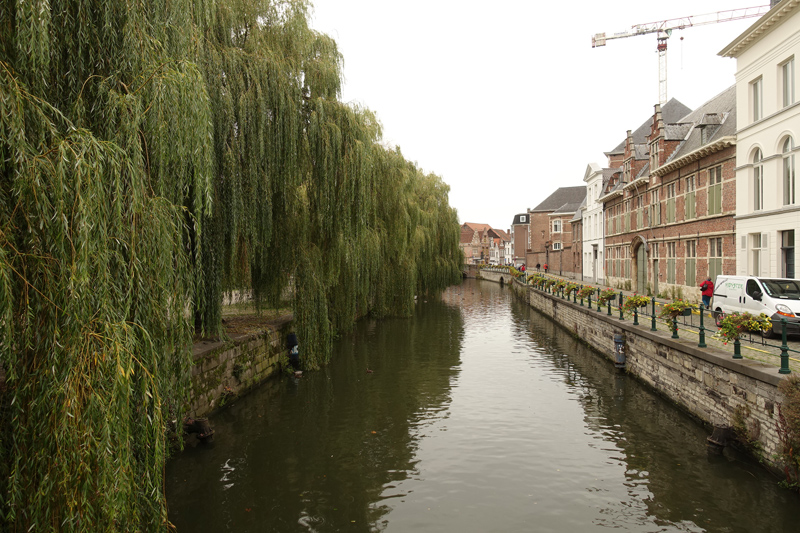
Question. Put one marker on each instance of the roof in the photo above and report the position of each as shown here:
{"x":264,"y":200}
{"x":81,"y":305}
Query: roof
{"x":518,"y":219}
{"x":561,"y":196}
{"x":671,"y":112}
{"x":578,"y":212}
{"x":711,"y":123}
{"x":500,"y":234}
{"x":476,"y":227}
{"x":568,"y":209}
{"x":777,"y":15}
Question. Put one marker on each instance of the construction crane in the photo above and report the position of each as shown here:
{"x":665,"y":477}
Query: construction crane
{"x":663,"y":29}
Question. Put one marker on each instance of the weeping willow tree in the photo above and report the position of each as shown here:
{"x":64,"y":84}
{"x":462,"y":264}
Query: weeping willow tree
{"x":154,"y":155}
{"x":106,"y":170}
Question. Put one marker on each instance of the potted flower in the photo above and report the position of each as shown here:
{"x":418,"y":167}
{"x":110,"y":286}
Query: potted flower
{"x":606,"y":295}
{"x":734,"y":325}
{"x":570,"y":288}
{"x":676,"y":308}
{"x":585,"y":292}
{"x":560,"y":284}
{"x":634,"y":302}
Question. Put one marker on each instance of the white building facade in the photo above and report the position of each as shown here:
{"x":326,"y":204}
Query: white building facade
{"x":768,"y":140}
{"x":592,"y":222}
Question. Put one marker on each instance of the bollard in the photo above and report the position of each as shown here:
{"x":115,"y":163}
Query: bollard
{"x":675,"y":327}
{"x":635,"y":316}
{"x":784,"y":350}
{"x":608,"y":303}
{"x":620,"y":305}
{"x":737,"y":349}
{"x":702,"y":341}
{"x":590,"y":301}
{"x":599,"y":304}
{"x":653,"y":316}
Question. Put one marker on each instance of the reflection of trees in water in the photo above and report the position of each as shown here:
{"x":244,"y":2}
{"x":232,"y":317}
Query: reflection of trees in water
{"x":325,"y":451}
{"x":668,"y":468}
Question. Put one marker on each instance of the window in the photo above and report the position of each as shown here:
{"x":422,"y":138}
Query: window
{"x":691,"y":263}
{"x":756,"y":91}
{"x":714,"y":257}
{"x":787,"y":254}
{"x":689,"y":201}
{"x":758,"y":242}
{"x":788,"y":172}
{"x":670,"y":262}
{"x":655,"y":208}
{"x":670,"y":203}
{"x":522,"y":218}
{"x":715,"y":190}
{"x":556,"y":246}
{"x":758,"y":182}
{"x":787,"y":85}
{"x":556,"y":227}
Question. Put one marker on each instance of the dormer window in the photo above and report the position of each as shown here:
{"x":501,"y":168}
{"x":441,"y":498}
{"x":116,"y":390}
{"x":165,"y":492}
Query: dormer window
{"x":522,"y":218}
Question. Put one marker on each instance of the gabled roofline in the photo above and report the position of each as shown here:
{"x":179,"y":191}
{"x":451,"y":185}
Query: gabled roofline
{"x":703,"y":151}
{"x":761,"y":27}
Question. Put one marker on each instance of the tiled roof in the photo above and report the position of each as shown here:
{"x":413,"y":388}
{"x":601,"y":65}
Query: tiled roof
{"x":476,"y":227}
{"x":717,"y":117}
{"x":670,"y":113}
{"x":578,"y":212}
{"x":500,"y":233}
{"x":567,"y":209}
{"x":562,"y":195}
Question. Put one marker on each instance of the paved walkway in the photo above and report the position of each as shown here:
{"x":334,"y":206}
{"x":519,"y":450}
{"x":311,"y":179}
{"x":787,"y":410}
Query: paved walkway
{"x":752,"y":347}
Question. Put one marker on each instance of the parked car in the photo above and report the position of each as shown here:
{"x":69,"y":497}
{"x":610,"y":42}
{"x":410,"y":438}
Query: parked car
{"x":775,"y":297}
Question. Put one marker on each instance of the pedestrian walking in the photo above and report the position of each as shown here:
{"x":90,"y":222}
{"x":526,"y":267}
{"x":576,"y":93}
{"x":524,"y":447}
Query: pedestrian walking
{"x":538,"y":267}
{"x":707,"y":290}
{"x":545,"y":268}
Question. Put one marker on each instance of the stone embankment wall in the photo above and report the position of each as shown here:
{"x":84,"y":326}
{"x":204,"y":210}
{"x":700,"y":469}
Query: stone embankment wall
{"x":706,"y":382}
{"x":225,"y":370}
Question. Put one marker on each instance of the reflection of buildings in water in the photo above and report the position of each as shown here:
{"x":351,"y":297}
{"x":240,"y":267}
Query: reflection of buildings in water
{"x":663,"y":449}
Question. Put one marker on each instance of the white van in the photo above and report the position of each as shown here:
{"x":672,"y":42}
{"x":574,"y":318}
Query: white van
{"x":775,"y":297}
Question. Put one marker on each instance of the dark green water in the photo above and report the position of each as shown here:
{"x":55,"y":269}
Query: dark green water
{"x":480,"y":415}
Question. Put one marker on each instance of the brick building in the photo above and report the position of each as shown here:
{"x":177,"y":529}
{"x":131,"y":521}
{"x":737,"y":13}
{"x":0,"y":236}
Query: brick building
{"x":475,"y":242}
{"x":520,"y":237}
{"x":550,"y":231}
{"x":669,"y":208}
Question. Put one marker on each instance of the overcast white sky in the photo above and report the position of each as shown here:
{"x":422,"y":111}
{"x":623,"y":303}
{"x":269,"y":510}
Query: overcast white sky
{"x":507,"y":100}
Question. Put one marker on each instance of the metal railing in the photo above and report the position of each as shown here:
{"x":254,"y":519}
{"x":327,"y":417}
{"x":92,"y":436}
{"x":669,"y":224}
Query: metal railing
{"x":685,"y":321}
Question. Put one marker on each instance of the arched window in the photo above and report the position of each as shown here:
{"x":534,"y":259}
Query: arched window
{"x":758,"y":181}
{"x":788,"y":172}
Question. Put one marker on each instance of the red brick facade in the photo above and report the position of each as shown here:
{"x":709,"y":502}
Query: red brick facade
{"x":668,"y":229}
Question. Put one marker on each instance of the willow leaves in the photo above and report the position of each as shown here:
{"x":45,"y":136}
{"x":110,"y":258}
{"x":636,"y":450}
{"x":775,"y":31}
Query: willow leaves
{"x":154,"y":155}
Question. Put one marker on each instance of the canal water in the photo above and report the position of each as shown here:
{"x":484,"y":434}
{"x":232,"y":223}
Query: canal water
{"x":476,"y":415}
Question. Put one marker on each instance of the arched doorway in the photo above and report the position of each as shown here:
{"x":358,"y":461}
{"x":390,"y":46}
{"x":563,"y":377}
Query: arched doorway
{"x":639,"y":255}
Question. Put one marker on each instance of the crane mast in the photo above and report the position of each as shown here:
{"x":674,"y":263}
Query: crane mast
{"x":663,"y":29}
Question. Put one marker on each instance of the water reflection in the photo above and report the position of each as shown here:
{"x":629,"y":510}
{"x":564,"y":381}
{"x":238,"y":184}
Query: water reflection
{"x":671,"y":481}
{"x":479,"y":415}
{"x":325,"y":452}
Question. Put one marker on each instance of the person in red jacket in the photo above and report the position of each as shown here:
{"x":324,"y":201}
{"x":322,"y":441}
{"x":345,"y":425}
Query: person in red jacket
{"x":707,"y":290}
